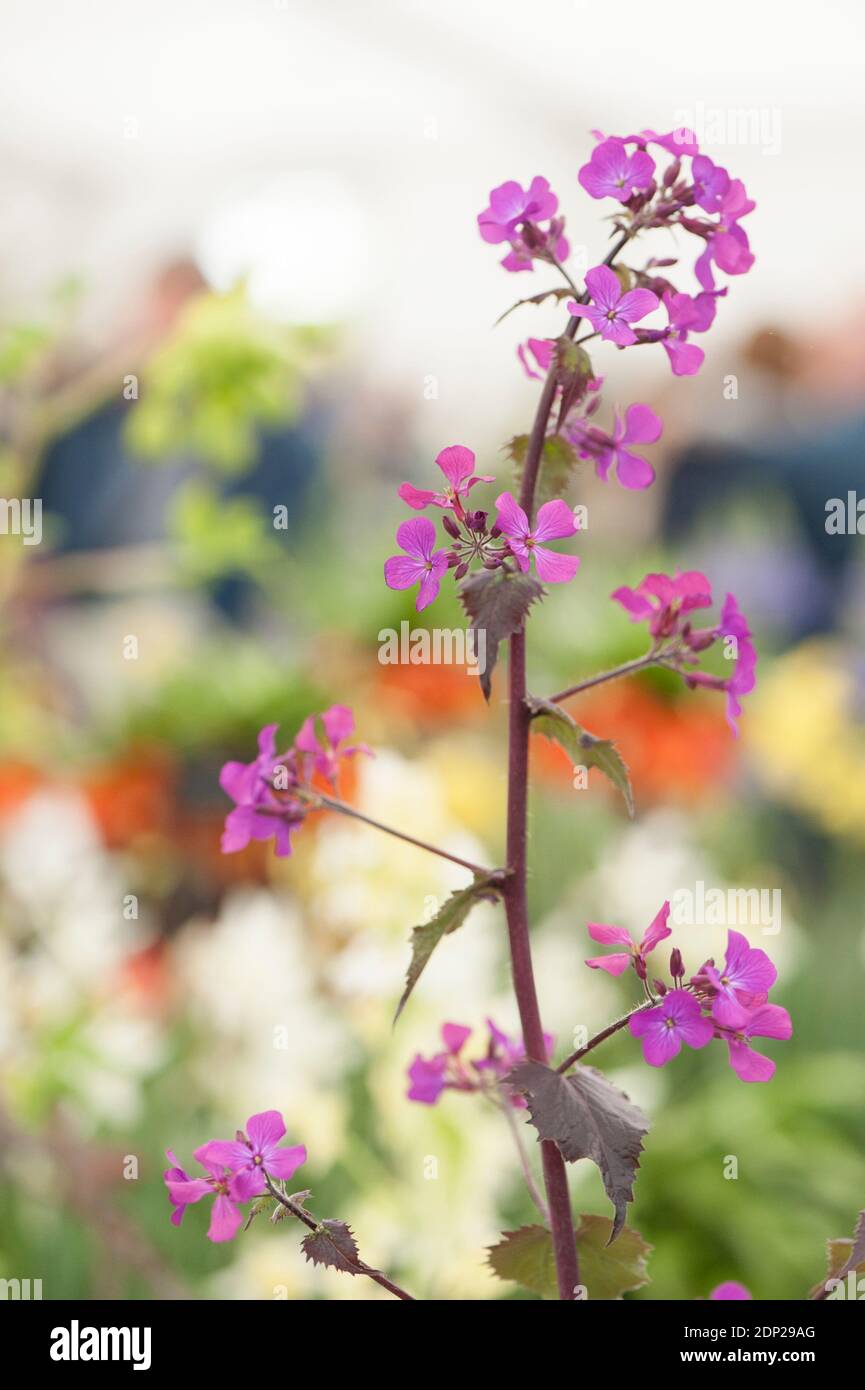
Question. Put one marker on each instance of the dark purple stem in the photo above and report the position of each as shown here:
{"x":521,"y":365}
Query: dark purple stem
{"x":515,"y":896}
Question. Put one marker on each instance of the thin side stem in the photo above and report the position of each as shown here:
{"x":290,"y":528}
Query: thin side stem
{"x":359,"y":1267}
{"x":335,"y":805}
{"x":605,"y":1033}
{"x":627,"y":668}
{"x":528,"y":1176}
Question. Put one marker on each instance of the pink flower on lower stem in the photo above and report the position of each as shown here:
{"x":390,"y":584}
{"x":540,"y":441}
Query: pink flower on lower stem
{"x":320,"y":736}
{"x":677,"y":1019}
{"x":229,"y":1189}
{"x":744,"y":980}
{"x":555,"y":520}
{"x":730,"y":1290}
{"x":764,"y":1021}
{"x":260,"y":812}
{"x":665,"y":600}
{"x":687,"y":314}
{"x":257,"y":1151}
{"x":611,"y":313}
{"x":449,"y":1070}
{"x":457,"y":463}
{"x":420,"y":564}
{"x":619,"y":961}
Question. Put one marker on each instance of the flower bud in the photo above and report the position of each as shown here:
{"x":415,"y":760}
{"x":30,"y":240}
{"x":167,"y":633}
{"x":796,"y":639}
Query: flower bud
{"x":495,"y":533}
{"x":671,"y":173}
{"x":461,"y":570}
{"x":640,"y":967}
{"x":477,"y":521}
{"x":660,"y":988}
{"x":677,"y":968}
{"x":452,"y":559}
{"x":451,"y":527}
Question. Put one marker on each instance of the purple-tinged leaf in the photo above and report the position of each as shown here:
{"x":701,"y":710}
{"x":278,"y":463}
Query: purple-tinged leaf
{"x":587,"y":1117}
{"x":496,"y":602}
{"x":332,"y":1244}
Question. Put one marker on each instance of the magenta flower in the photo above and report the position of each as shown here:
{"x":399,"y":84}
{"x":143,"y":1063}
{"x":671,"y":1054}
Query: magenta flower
{"x":260,"y":812}
{"x":457,"y":463}
{"x":511,"y":206}
{"x":677,"y":1019}
{"x":229,"y":1189}
{"x":614,"y":173}
{"x":555,"y":520}
{"x":745,"y":980}
{"x":665,"y":600}
{"x":542,"y":350}
{"x":514,"y":215}
{"x":641,"y":426}
{"x":764,"y":1021}
{"x":730,"y":1290}
{"x":612,"y":312}
{"x":268,"y":791}
{"x":420,"y":564}
{"x":743,"y":679}
{"x":257,"y":1151}
{"x":324,"y":752}
{"x":619,"y":961}
{"x":448,"y":1070}
{"x":727,"y":243}
{"x":711,"y":184}
{"x":687,"y":314}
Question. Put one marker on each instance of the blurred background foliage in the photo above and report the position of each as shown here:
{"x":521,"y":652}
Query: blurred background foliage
{"x":218,"y":483}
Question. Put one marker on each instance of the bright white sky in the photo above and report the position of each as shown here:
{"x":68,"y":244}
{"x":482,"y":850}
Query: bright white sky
{"x":340,"y":151}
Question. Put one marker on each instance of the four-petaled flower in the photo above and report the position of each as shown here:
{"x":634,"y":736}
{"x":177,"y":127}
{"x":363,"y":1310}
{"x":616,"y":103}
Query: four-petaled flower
{"x":228,"y":1188}
{"x":515,"y":214}
{"x":612,"y":312}
{"x":457,"y":463}
{"x":640,"y":426}
{"x":257,"y":1151}
{"x":620,"y":960}
{"x":555,"y":520}
{"x":764,"y":1021}
{"x":688,"y":314}
{"x":323,"y":751}
{"x":420,"y":564}
{"x":614,"y":173}
{"x":745,"y":980}
{"x":677,"y":1019}
{"x":260,"y":812}
{"x":665,"y":599}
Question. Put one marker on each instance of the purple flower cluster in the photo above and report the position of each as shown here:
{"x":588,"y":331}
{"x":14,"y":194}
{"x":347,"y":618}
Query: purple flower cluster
{"x":271,"y":793}
{"x":509,"y":541}
{"x":235,"y":1172}
{"x":666,"y":602}
{"x":728,"y":1003}
{"x":448,"y":1070}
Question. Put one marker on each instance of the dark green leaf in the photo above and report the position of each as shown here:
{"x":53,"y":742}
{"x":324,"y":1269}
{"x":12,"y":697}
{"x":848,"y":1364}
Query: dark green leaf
{"x":526,"y":1258}
{"x":583,"y":748}
{"x":449,"y":917}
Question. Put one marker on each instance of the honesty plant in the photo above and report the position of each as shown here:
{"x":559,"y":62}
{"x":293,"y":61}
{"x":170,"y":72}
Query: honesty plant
{"x":501,"y":565}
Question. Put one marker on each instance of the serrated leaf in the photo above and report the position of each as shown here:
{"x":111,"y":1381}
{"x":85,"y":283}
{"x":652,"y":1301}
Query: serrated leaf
{"x":525,"y":1257}
{"x":258,"y":1207}
{"x":332,"y":1244}
{"x":842,"y":1256}
{"x":496,"y":602}
{"x":560,"y":292}
{"x":609,"y":1271}
{"x":587,"y":1117}
{"x":448,"y":919}
{"x":558,"y":461}
{"x":583,"y":748}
